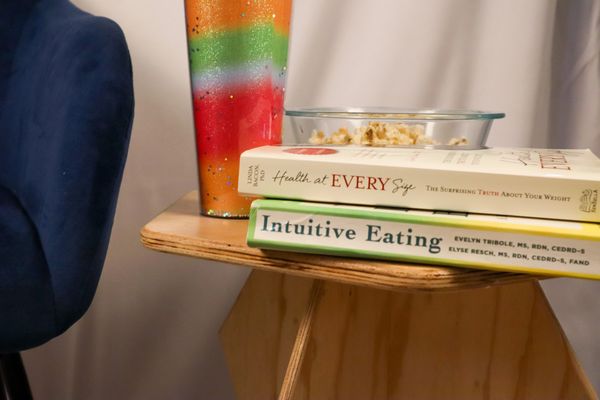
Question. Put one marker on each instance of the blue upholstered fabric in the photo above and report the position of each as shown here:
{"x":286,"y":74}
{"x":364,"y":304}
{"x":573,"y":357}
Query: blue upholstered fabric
{"x":66,"y":107}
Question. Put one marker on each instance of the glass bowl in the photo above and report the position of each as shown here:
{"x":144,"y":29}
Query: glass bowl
{"x":464,"y":129}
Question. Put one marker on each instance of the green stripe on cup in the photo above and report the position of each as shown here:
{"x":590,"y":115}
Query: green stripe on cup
{"x":235,"y":47}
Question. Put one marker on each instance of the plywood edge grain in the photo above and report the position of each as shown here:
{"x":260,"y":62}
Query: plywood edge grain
{"x":181,"y":230}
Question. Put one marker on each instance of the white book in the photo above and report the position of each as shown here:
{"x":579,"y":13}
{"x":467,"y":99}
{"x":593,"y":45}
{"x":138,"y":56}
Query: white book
{"x":544,"y":183}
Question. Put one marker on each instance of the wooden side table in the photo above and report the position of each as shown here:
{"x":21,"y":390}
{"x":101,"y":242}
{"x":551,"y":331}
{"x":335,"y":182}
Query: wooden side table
{"x":317,"y":327}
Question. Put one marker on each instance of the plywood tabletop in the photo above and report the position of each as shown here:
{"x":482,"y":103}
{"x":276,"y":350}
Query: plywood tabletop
{"x":181,"y":230}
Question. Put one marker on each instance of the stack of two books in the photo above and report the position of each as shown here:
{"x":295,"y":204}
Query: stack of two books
{"x":534,"y":210}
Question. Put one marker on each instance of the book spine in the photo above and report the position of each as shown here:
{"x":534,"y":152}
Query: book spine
{"x":434,"y":189}
{"x":422,"y":241}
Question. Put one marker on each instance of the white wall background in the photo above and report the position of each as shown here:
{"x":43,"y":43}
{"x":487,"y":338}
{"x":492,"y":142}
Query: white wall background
{"x":151,"y":332}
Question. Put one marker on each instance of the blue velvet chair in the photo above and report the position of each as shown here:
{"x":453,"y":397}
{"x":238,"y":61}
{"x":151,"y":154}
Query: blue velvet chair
{"x":66,"y":108}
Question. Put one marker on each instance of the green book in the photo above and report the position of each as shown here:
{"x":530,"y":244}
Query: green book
{"x":531,"y":245}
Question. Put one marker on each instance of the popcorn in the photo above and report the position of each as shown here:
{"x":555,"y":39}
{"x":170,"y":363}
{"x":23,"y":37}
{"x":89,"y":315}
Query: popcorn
{"x":382,"y":134}
{"x":458,"y":141}
{"x":317,"y":137}
{"x":341,"y":136}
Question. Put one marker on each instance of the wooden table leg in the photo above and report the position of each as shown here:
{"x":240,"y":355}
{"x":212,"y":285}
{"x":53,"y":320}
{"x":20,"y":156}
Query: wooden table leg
{"x":294,"y":366}
{"x":502,"y":342}
{"x":259,"y":334}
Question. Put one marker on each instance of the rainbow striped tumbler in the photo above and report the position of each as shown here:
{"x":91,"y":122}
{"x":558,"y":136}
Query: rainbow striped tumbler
{"x":238,"y":55}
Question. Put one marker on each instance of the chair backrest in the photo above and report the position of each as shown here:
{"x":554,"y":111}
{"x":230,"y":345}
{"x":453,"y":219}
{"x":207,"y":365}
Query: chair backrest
{"x":66,"y":109}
